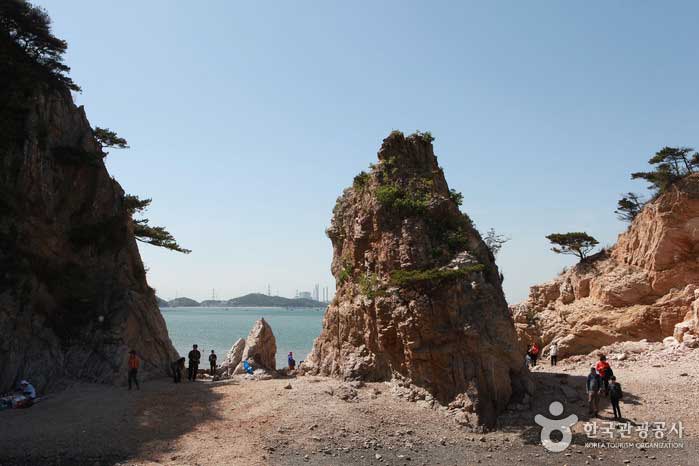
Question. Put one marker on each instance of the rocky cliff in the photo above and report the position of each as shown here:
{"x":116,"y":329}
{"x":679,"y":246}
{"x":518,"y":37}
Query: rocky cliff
{"x":73,"y":292}
{"x":418,"y":292}
{"x":640,"y":288}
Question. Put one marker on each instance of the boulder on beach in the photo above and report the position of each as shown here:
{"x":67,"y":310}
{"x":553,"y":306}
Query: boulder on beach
{"x":260,"y":346}
{"x":233,"y":358}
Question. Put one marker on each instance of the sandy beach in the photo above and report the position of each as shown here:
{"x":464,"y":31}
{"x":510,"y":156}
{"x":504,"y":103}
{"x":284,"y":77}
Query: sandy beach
{"x":242,"y":422}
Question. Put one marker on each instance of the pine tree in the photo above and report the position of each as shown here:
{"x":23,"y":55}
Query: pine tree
{"x":671,"y":164}
{"x":574,"y":243}
{"x":629,"y":206}
{"x":144,"y":232}
{"x":27,"y":44}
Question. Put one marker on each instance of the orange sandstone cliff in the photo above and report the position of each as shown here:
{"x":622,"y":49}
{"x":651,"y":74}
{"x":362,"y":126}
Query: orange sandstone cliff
{"x":642,"y":288}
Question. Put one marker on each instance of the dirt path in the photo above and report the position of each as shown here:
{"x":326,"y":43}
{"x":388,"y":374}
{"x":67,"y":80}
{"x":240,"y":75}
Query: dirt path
{"x":261,"y":422}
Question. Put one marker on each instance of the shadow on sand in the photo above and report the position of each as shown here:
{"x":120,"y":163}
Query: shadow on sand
{"x":102,"y":424}
{"x":570,"y":391}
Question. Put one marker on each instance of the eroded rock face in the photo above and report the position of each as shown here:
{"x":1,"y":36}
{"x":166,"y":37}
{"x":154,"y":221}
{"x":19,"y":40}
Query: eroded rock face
{"x":640,"y":289}
{"x":73,"y":292}
{"x":687,"y":332}
{"x":260,"y":346}
{"x":419,"y":295}
{"x":233,"y":358}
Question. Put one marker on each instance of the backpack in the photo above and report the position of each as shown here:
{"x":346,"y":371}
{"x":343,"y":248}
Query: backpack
{"x":615,"y":392}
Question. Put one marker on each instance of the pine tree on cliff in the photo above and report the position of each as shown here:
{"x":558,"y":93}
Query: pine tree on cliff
{"x":157,"y":236}
{"x":30,"y":57}
{"x":27,"y":44}
{"x":670,"y":165}
{"x":574,"y":243}
{"x":629,"y":206}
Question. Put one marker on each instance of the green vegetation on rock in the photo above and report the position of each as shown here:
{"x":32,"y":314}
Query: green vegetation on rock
{"x":574,"y":243}
{"x":146,"y":233}
{"x":629,"y":206}
{"x":369,"y":285}
{"x":670,"y":164}
{"x":108,"y":138}
{"x":415,"y":277}
{"x":424,"y":135}
{"x":406,"y":202}
{"x":361,"y":180}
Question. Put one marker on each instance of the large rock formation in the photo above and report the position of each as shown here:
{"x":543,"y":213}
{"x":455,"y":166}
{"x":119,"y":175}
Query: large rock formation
{"x":260,"y":346}
{"x":233,"y":358}
{"x":73,"y":292}
{"x":640,"y":288}
{"x":418,"y":292}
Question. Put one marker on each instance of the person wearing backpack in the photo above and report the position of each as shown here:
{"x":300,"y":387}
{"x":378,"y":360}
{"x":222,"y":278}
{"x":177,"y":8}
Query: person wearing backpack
{"x":615,"y":395}
{"x":593,"y":388}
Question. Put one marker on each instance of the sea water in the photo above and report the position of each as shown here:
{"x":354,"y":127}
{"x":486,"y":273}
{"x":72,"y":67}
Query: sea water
{"x":218,"y":328}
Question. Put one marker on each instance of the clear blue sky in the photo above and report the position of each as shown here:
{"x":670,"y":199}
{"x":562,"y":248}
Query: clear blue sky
{"x":247,"y":119}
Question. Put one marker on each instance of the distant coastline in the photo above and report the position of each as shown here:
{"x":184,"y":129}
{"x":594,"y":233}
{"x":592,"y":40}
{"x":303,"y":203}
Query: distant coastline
{"x":252,"y":300}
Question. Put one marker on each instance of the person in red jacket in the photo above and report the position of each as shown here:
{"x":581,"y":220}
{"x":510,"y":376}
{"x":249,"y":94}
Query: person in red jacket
{"x":134,"y":363}
{"x":604,"y":371}
{"x":533,"y":353}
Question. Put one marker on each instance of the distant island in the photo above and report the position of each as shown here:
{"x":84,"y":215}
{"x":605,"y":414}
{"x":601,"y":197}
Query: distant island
{"x":249,"y":300}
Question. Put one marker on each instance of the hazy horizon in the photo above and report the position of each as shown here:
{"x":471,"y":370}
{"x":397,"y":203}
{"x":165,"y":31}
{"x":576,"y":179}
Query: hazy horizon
{"x":246,"y":121}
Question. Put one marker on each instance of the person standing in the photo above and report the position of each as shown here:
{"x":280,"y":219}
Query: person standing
{"x":134,"y":364}
{"x":534,"y":353}
{"x":605,"y":372}
{"x":292,"y":362}
{"x":553,"y":352}
{"x":194,"y":357}
{"x":615,"y":395}
{"x":593,"y":388}
{"x":212,"y":363}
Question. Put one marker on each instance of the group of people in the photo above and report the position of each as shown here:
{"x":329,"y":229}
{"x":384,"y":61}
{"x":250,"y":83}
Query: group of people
{"x":601,"y":382}
{"x":193,"y":358}
{"x":534,"y":351}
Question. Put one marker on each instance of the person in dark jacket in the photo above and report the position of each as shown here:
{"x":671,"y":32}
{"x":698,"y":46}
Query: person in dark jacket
{"x":177,"y":368}
{"x":212,"y":363}
{"x":593,"y":386}
{"x":615,"y":395}
{"x":194,"y":357}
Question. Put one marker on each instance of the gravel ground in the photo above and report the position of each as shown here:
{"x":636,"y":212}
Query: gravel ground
{"x":262,"y":422}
